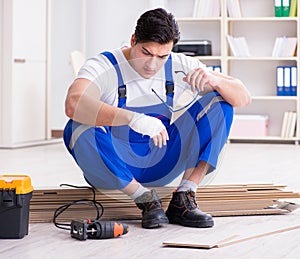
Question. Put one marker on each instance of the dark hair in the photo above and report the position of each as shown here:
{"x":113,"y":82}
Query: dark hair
{"x":157,"y":26}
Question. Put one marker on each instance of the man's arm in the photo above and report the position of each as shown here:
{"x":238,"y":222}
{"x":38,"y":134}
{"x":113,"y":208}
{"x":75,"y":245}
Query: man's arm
{"x":83,"y":105}
{"x":231,"y":89}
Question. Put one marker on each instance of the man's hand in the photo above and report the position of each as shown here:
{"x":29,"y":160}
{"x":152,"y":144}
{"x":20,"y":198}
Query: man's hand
{"x":200,"y":78}
{"x":150,"y":126}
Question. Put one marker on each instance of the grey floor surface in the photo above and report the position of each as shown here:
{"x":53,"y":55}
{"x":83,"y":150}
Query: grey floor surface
{"x":50,"y":165}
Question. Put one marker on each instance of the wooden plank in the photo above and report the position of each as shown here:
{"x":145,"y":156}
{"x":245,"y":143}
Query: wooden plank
{"x":218,"y":200}
{"x":228,"y":241}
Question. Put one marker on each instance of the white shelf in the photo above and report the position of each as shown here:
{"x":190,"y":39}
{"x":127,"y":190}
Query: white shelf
{"x":204,"y":19}
{"x":258,"y":71}
{"x":276,"y":98}
{"x":209,"y":57}
{"x":263,"y":19}
{"x":262,"y":58}
{"x":265,"y":138}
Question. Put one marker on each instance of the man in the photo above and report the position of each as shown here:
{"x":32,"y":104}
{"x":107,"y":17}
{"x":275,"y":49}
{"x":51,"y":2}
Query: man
{"x":122,"y":131}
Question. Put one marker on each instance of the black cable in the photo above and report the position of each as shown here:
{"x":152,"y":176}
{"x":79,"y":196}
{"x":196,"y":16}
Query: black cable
{"x":97,"y":205}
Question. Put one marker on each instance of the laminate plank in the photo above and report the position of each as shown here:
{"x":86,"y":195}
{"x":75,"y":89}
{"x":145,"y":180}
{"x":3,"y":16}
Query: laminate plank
{"x":46,"y":241}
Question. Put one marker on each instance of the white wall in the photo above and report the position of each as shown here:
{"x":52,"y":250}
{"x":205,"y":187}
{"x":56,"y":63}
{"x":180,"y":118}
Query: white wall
{"x":110,"y":23}
{"x":65,"y":38}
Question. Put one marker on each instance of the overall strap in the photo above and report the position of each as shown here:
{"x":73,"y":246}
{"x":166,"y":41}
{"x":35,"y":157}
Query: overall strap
{"x":169,"y":85}
{"x":169,"y":81}
{"x":121,"y":85}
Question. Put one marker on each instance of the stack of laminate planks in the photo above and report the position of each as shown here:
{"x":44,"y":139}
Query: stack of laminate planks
{"x":218,"y":200}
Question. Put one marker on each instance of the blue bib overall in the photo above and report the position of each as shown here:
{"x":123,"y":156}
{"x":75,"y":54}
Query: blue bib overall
{"x":110,"y":157}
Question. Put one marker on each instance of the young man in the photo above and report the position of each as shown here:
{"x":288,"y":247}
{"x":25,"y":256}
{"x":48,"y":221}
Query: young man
{"x":120,"y":130}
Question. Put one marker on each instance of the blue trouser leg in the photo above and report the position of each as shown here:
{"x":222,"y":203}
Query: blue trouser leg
{"x":94,"y":153}
{"x":192,"y":139}
{"x":111,"y":163}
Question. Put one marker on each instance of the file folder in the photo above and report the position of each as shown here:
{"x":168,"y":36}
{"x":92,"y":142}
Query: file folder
{"x":217,"y":69}
{"x":285,"y":8}
{"x":279,"y":80}
{"x":287,"y":81}
{"x":277,"y":8}
{"x":293,"y":8}
{"x":293,"y":81}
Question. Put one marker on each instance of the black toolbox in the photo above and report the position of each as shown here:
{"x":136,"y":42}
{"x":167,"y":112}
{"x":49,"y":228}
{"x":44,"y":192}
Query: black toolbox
{"x":15,"y":196}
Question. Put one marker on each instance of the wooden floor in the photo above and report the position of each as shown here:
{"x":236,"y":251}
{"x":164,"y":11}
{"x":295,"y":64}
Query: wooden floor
{"x":50,"y":165}
{"x":46,"y":241}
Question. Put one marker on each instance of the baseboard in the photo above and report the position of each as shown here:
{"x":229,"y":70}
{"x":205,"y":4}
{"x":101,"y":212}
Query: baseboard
{"x":57,"y":133}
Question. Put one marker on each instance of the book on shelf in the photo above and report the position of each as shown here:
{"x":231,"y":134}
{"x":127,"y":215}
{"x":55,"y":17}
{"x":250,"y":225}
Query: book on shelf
{"x":207,"y":8}
{"x":294,"y":80}
{"x":284,"y":47}
{"x":277,"y":8}
{"x":234,"y":8}
{"x":215,"y":68}
{"x":286,"y":80}
{"x":293,"y":8}
{"x":288,"y":128}
{"x":285,"y":8}
{"x":238,"y":46}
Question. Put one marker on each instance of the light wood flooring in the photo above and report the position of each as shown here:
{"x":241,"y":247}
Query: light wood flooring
{"x":50,"y":165}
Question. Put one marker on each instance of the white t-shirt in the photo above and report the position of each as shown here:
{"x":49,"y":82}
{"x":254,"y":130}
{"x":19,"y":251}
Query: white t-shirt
{"x":100,"y":71}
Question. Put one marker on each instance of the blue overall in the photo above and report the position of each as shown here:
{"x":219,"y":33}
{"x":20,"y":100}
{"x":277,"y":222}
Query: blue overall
{"x":110,"y":157}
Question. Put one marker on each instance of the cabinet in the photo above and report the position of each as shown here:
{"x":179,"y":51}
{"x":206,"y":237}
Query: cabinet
{"x":258,"y":71}
{"x":23,"y":72}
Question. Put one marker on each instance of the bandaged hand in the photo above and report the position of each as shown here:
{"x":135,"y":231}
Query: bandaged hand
{"x":150,"y":126}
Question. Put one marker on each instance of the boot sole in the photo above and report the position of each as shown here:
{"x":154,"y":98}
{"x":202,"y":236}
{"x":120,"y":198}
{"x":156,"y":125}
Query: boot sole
{"x":155,"y":223}
{"x":195,"y":224}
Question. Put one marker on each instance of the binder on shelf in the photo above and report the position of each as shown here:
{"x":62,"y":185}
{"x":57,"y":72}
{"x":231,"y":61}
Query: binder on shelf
{"x":288,"y":128}
{"x":238,"y":46}
{"x":234,"y":9}
{"x":292,"y":125}
{"x":284,"y":124}
{"x":287,"y":81}
{"x":215,"y":68}
{"x":277,"y":8}
{"x":285,"y":8}
{"x":293,"y":90}
{"x":279,"y":80}
{"x":206,"y":8}
{"x":293,"y":8}
{"x":232,"y":45}
{"x":284,"y":47}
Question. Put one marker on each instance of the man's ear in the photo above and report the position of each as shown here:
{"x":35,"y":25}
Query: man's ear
{"x":132,"y":41}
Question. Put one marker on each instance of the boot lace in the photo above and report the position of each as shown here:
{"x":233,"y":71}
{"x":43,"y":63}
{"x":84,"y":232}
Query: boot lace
{"x":191,"y":199}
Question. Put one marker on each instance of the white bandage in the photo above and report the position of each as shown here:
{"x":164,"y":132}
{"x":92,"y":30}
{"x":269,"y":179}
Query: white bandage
{"x":146,"y":125}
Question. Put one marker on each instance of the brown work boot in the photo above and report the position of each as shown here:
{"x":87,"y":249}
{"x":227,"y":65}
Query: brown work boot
{"x":183,"y":210}
{"x":153,"y":215}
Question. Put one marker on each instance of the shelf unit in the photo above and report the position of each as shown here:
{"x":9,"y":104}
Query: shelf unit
{"x":258,"y":72}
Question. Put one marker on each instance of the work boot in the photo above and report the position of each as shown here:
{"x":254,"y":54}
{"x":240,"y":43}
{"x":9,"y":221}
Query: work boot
{"x":183,"y":210}
{"x":153,"y":215}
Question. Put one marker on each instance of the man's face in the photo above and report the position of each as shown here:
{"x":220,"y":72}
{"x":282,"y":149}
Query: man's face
{"x":147,"y":58}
